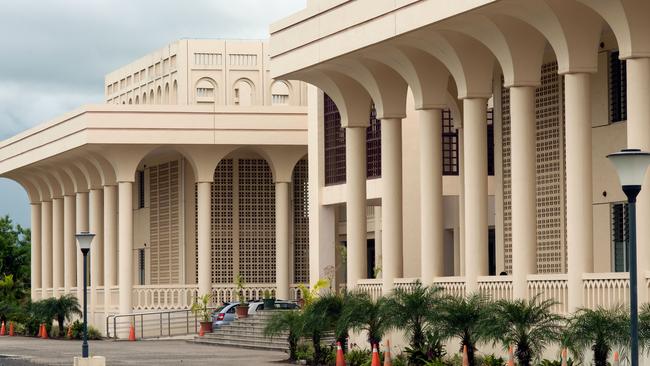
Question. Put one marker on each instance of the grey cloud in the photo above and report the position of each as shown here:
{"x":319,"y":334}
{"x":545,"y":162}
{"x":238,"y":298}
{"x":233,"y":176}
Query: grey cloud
{"x":55,"y":53}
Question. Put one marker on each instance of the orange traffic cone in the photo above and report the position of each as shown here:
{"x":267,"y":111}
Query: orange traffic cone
{"x":44,"y":335}
{"x":11,"y":329}
{"x":340,"y":357}
{"x":387,"y":358}
{"x":465,"y":356}
{"x":132,"y":333}
{"x":201,"y":332}
{"x":3,"y":329}
{"x":69,"y":334}
{"x":564,"y":357}
{"x":617,"y":362}
{"x":375,"y":356}
{"x":511,"y":358}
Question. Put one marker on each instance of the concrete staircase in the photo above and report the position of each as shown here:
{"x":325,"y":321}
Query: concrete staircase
{"x":246,"y":333}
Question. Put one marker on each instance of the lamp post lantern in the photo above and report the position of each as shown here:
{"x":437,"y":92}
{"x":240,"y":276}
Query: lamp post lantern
{"x":85,"y":239}
{"x":631,"y":166}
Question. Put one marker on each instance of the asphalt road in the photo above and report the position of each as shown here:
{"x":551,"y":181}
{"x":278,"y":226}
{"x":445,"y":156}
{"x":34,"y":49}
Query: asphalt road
{"x":19,"y":351}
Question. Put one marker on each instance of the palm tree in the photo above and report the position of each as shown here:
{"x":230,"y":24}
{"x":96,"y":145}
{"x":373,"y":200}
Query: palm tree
{"x":411,"y":311}
{"x":529,"y":325}
{"x":644,"y":326}
{"x":362,"y":313}
{"x":332,"y":305}
{"x":600,"y":329}
{"x":464,"y":318}
{"x":60,"y":309}
{"x":290,"y":321}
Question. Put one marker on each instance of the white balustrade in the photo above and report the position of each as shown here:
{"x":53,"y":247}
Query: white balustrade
{"x":99,"y":300}
{"x":454,"y":286}
{"x":228,"y":292}
{"x":496,"y":287}
{"x":606,"y":290}
{"x":371,"y":286}
{"x":407,"y":284}
{"x":550,"y":286}
{"x":163,"y":297}
{"x":295,"y":291}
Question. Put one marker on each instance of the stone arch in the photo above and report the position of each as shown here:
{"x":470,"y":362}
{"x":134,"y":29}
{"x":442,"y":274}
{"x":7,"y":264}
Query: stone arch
{"x":280,"y":92}
{"x":159,"y":95}
{"x":144,"y":98}
{"x":137,"y":99}
{"x":243,"y":91}
{"x":166,"y":95}
{"x":174,"y":97}
{"x":206,"y":90}
{"x":152,"y":97}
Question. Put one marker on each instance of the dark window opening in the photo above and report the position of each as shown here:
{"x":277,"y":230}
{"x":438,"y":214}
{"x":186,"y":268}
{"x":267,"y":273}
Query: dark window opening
{"x":141,"y":266}
{"x":617,"y":88}
{"x":492,"y":252}
{"x":334,"y":144}
{"x":490,"y":141}
{"x":449,"y":144}
{"x":620,"y":237}
{"x":140,"y":189}
{"x":370,"y":256}
{"x":373,"y":145}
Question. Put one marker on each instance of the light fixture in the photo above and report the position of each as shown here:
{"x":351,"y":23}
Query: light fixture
{"x":84,"y":239}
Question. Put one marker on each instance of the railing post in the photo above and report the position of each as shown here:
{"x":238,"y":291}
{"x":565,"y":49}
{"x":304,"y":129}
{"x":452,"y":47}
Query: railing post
{"x":115,"y":327}
{"x":161,"y":325}
{"x":169,"y":324}
{"x":142,"y":326}
{"x":187,"y":320}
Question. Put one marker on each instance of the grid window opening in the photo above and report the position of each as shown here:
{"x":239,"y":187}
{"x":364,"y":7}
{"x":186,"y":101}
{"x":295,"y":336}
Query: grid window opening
{"x":620,"y":237}
{"x":617,"y":88}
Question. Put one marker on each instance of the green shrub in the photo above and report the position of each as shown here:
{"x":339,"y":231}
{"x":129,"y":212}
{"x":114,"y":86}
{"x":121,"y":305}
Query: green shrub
{"x":400,"y":360}
{"x":305,"y":351}
{"x":358,"y":357}
{"x":78,"y":328}
{"x":492,"y":360}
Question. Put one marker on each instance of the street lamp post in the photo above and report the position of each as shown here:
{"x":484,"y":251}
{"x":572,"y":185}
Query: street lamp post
{"x":631,"y":165}
{"x":85,"y":239}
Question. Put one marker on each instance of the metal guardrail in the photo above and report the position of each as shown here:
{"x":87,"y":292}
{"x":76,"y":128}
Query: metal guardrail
{"x":155,"y":324}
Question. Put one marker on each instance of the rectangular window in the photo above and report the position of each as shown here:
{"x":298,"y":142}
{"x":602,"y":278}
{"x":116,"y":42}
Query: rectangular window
{"x":140,"y":188}
{"x":141,"y":266}
{"x":373,"y":145}
{"x":449,"y":144}
{"x":334,"y":143}
{"x":617,"y":88}
{"x":620,"y":237}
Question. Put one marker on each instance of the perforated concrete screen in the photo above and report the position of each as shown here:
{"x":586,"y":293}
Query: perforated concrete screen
{"x":222,"y":223}
{"x":164,"y":216}
{"x":301,"y":223}
{"x":256,"y":221}
{"x":550,"y":167}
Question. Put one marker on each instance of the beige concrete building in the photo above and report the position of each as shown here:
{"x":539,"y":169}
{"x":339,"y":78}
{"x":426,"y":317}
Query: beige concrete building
{"x":528,"y":96}
{"x":192,"y":173}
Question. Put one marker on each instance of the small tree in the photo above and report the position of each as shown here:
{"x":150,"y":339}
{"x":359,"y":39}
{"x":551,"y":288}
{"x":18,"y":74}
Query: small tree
{"x":64,"y":308}
{"x":200,"y":308}
{"x":290,"y":321}
{"x":362,"y":313}
{"x":464,"y":318}
{"x":411,"y":311}
{"x":332,"y":305}
{"x":529,"y":325}
{"x":599,"y":329}
{"x":10,"y":295}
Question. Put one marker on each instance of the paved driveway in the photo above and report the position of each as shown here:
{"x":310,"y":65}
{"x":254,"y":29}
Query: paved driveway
{"x":19,"y":351}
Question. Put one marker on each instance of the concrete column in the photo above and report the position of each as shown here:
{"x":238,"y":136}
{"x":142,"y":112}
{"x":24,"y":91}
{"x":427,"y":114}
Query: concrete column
{"x":578,"y":184}
{"x":36,"y":250}
{"x":110,"y":244}
{"x":82,"y":225}
{"x":524,"y":194}
{"x":476,"y":198}
{"x":97,"y":249}
{"x":46,"y":246}
{"x":391,"y":202}
{"x":125,"y":238}
{"x":378,"y":241}
{"x":461,"y":202}
{"x":204,"y":230}
{"x":431,"y":219}
{"x":282,"y":218}
{"x":57,"y":245}
{"x":69,"y":243}
{"x":638,"y":137}
{"x":355,"y":172}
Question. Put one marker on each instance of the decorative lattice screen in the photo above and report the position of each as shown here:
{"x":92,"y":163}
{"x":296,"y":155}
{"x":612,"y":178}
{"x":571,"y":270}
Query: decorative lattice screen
{"x":256,"y":221}
{"x":373,"y":145}
{"x":222,"y":223}
{"x":164,"y":216}
{"x":551,"y":228}
{"x":301,"y":223}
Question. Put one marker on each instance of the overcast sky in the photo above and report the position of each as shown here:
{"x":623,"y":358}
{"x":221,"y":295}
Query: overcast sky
{"x":55,"y":53}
